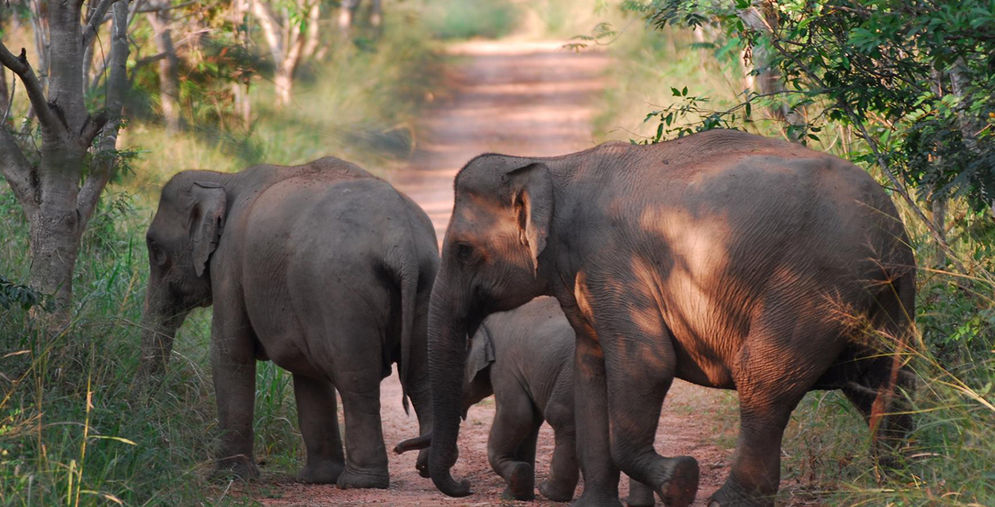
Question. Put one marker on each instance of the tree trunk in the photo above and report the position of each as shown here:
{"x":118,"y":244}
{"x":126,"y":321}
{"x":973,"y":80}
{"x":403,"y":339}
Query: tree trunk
{"x":55,"y":238}
{"x":49,"y":191}
{"x":169,"y":89}
{"x":289,"y":42}
{"x":768,"y":81}
{"x":283,"y":80}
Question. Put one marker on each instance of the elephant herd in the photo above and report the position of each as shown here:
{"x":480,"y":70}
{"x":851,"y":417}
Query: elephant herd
{"x":572,"y":288}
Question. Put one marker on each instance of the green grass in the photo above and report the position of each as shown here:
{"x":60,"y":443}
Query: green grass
{"x":456,"y":19}
{"x":157,"y":448}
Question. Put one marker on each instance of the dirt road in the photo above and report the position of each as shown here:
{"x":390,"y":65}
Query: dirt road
{"x":525,"y":99}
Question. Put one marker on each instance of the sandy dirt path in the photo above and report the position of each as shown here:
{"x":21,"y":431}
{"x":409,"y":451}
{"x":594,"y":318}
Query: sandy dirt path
{"x":524,"y":99}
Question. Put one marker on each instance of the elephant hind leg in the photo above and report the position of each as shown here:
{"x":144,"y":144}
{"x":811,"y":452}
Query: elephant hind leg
{"x":366,"y":456}
{"x":880,"y":400}
{"x":318,"y":419}
{"x":880,"y":389}
{"x":772,"y":377}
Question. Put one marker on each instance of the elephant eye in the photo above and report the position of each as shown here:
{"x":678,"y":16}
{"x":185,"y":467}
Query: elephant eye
{"x":156,"y":254}
{"x":464,"y":252}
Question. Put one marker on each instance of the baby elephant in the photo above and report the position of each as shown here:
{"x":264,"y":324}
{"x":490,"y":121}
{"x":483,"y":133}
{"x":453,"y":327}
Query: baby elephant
{"x":321,"y":268}
{"x":524,"y":357}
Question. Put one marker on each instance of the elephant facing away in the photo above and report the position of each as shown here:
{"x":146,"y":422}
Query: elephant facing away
{"x":322,"y":268}
{"x":722,"y":258}
{"x":524,"y":357}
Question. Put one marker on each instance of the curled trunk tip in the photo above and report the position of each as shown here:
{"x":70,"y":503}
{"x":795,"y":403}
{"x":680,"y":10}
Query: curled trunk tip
{"x":449,"y":486}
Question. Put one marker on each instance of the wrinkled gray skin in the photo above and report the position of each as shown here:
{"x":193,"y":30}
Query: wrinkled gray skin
{"x":524,"y":357}
{"x":322,"y":268}
{"x":723,"y":258}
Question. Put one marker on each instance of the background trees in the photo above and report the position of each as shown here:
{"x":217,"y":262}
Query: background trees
{"x":58,"y":182}
{"x":911,"y":81}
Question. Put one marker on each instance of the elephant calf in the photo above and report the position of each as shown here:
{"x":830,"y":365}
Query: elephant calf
{"x":322,"y":268}
{"x":524,"y":357}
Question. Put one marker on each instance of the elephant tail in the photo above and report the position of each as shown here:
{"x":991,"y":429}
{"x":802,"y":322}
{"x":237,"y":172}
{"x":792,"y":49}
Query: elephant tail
{"x":406,"y":274}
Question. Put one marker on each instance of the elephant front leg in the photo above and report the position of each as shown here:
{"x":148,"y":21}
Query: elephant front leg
{"x":636,"y":395}
{"x":318,"y":419}
{"x":511,"y":445}
{"x":563,"y":471}
{"x":234,"y":372}
{"x":641,"y":361}
{"x":590,"y":399}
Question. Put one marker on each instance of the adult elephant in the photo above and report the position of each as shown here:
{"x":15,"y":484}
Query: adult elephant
{"x":723,"y":258}
{"x":322,"y":268}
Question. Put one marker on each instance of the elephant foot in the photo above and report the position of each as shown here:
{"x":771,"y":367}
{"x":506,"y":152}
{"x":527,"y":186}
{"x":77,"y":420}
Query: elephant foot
{"x":238,"y":467}
{"x":640,"y":495}
{"x":680,"y":483}
{"x":732,"y":494}
{"x":556,"y":492}
{"x":421,"y":464}
{"x":521,"y":483}
{"x":351,"y":479}
{"x":596,"y":500}
{"x":323,"y":472}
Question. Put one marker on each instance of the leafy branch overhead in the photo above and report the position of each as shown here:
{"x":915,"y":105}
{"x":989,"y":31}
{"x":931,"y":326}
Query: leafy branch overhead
{"x":912,"y":79}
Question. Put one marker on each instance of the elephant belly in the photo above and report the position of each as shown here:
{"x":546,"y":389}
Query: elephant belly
{"x":703,"y":372}
{"x":287,"y":351}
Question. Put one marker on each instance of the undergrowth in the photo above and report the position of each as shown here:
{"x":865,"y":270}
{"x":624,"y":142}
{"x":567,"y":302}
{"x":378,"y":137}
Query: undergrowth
{"x":74,"y":426}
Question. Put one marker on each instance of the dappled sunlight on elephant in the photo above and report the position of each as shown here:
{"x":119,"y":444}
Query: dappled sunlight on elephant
{"x":711,"y":258}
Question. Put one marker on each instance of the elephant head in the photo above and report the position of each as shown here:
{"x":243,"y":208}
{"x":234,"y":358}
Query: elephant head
{"x":184,"y":233}
{"x":492,"y":260}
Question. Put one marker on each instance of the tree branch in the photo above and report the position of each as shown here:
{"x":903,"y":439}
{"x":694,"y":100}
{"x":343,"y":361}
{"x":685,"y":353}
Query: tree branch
{"x":109,"y":122}
{"x":92,"y":127}
{"x":21,"y":67}
{"x":3,"y":92}
{"x":17,"y":171}
{"x":97,"y":18}
{"x":271,"y":28}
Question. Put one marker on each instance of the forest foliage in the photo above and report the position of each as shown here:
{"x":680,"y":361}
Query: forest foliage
{"x":902,"y":88}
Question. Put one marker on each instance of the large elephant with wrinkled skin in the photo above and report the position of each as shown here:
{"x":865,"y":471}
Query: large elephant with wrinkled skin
{"x":723,"y":258}
{"x":524,"y":357}
{"x":322,"y":268}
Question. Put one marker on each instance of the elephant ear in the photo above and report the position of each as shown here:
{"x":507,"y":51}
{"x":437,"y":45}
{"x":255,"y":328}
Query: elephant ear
{"x":481,"y":354}
{"x":207,"y":220}
{"x":532,"y":199}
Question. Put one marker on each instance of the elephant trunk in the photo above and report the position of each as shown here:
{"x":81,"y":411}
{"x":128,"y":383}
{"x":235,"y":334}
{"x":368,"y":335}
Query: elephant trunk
{"x":413,"y":444}
{"x":159,"y":324}
{"x":447,"y":332}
